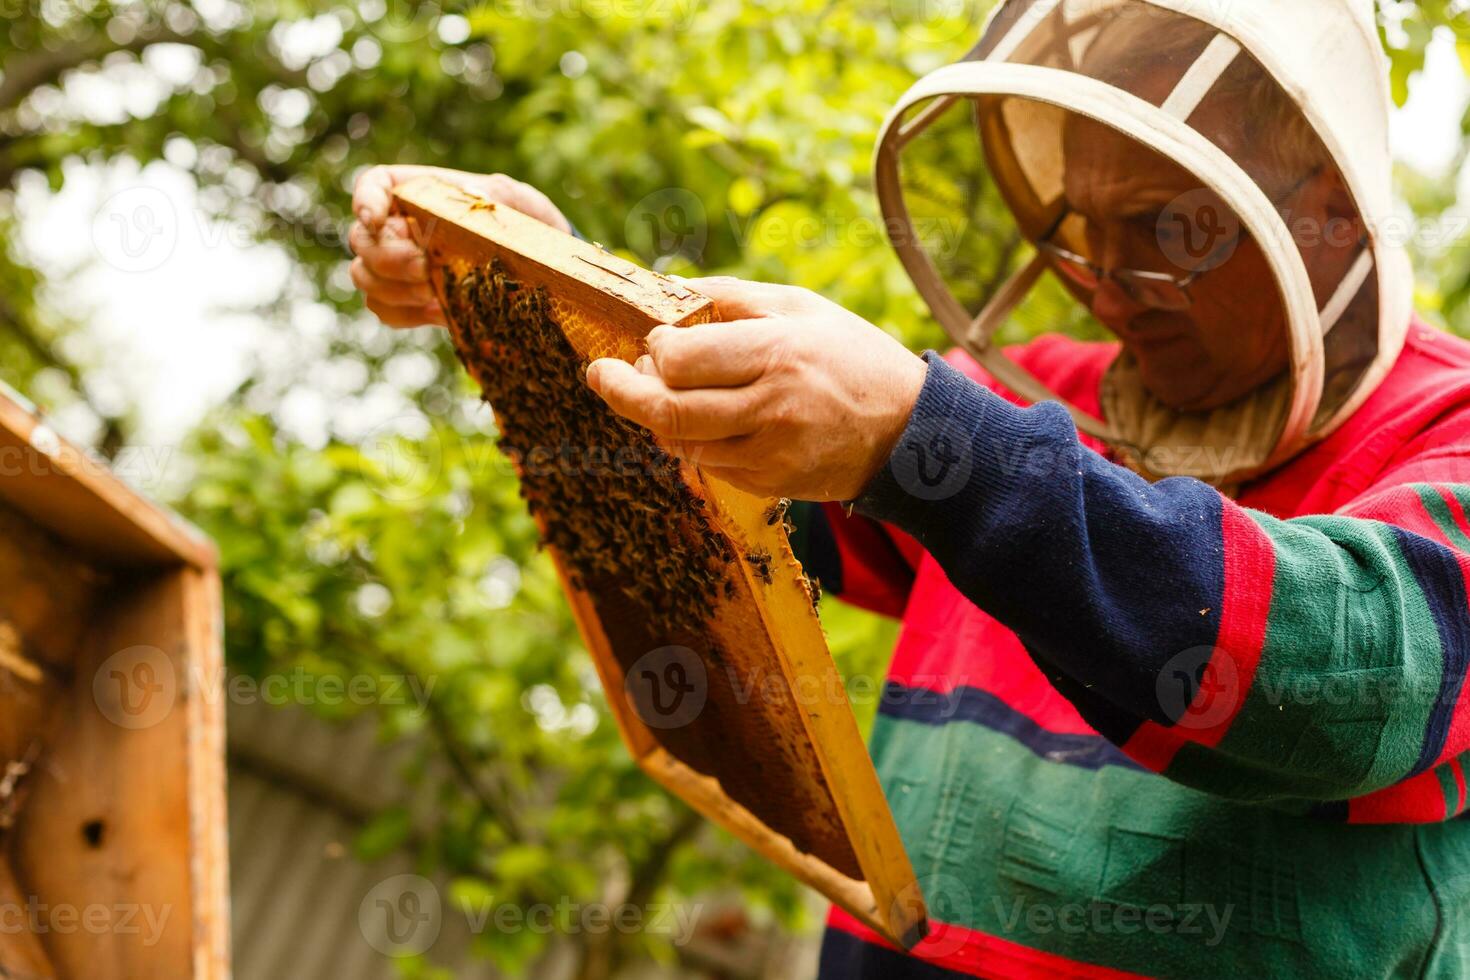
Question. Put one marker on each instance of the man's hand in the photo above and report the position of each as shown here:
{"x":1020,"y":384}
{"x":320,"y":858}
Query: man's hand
{"x":791,"y":396}
{"x":390,"y":268}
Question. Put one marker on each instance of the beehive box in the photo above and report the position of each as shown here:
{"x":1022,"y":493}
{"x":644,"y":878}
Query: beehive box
{"x":112,"y":807}
{"x":698,"y":617}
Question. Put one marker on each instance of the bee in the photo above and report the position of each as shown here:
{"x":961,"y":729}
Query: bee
{"x":722,"y":548}
{"x":760,"y":560}
{"x":777,"y":511}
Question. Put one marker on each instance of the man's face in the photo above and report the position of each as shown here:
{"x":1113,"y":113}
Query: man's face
{"x":1233,"y":336}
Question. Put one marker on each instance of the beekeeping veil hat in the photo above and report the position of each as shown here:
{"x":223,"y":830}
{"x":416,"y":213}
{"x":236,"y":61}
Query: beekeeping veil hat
{"x":1160,"y":72}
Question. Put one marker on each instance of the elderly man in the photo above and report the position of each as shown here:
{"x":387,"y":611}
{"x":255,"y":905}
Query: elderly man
{"x":1180,"y":695}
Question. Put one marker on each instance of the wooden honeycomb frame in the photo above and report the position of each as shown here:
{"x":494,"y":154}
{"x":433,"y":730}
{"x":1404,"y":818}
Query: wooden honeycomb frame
{"x":784,"y":770}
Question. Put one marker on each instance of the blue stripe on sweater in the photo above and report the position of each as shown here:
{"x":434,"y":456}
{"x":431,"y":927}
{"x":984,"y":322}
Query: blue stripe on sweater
{"x":985,"y":709}
{"x":846,"y":957}
{"x":1439,"y":576}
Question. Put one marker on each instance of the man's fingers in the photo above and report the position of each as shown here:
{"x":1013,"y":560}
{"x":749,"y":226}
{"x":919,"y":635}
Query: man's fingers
{"x":391,"y":259}
{"x":522,"y":196}
{"x":740,"y":299}
{"x":393,"y":292}
{"x":645,"y":365}
{"x":394,"y":228}
{"x":702,"y":414}
{"x":372,"y":197}
{"x":407,"y":316}
{"x":712,"y":355}
{"x":402,"y":254}
{"x":736,"y":453}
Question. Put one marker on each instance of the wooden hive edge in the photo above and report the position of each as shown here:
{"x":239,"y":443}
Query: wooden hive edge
{"x":64,"y":489}
{"x":446,"y":215}
{"x":66,"y":495}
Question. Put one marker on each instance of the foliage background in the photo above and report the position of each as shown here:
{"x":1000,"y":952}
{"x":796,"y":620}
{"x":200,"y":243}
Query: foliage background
{"x":694,"y":135}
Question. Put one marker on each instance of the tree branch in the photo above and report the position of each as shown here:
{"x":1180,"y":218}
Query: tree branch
{"x":492,"y":796}
{"x":648,"y":873}
{"x":492,"y":799}
{"x":600,"y":950}
{"x":113,"y":438}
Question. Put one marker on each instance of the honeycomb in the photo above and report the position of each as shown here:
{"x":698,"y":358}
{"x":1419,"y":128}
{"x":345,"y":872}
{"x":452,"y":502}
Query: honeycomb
{"x":608,"y":498}
{"x":631,"y":531}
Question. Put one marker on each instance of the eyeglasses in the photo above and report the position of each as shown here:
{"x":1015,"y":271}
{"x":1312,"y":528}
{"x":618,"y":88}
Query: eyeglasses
{"x":1156,"y":290}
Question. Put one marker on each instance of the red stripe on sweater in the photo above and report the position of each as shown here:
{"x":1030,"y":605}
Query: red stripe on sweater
{"x":1459,"y":785}
{"x":1250,"y":571}
{"x":1419,"y":799}
{"x":977,"y":954}
{"x":1250,"y":566}
{"x":874,"y":575}
{"x":1153,"y":746}
{"x":1457,"y":736}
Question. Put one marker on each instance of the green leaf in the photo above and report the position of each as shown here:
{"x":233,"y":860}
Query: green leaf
{"x":746,"y":194}
{"x":383,"y":835}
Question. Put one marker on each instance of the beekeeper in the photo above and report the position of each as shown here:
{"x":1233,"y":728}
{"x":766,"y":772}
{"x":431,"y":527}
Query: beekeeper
{"x":1179,"y":690}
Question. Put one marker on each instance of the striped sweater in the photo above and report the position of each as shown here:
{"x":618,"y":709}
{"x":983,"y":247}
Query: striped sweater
{"x":1145,"y":729}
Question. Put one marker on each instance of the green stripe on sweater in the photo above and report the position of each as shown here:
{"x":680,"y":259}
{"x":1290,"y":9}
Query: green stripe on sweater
{"x":1449,"y":787}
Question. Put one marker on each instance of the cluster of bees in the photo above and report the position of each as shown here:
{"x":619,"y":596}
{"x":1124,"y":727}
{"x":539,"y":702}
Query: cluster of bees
{"x":635,"y":527}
